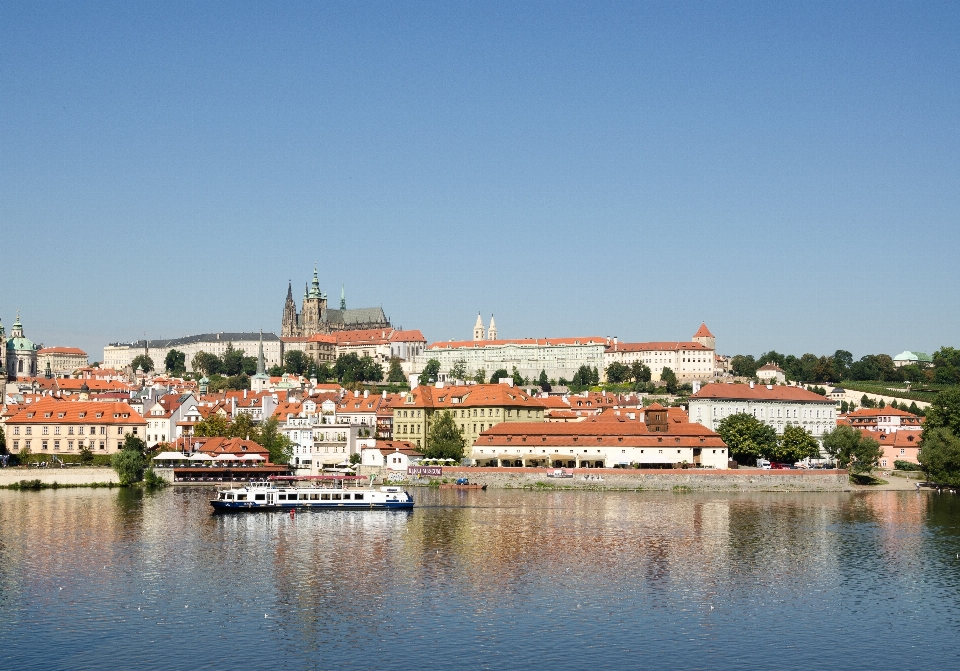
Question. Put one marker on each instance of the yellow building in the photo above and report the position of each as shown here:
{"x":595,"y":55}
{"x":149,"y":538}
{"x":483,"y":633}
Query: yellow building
{"x":52,"y":426}
{"x":475,"y":408}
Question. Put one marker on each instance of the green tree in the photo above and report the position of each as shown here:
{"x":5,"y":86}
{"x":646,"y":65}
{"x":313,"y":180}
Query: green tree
{"x":844,"y":407}
{"x":481,"y":376}
{"x":498,"y":374}
{"x":86,"y":456}
{"x":796,"y":444}
{"x":583,"y":377}
{"x":242,"y":427}
{"x":459,"y":370}
{"x":640,"y":372}
{"x":175,"y":362}
{"x":130,"y":462}
{"x":238,"y":382}
{"x":743,"y":365}
{"x":295,"y":362}
{"x":3,"y":441}
{"x":444,"y":440}
{"x":747,"y":437}
{"x":272,"y":439}
{"x":396,"y":376}
{"x":617,"y":373}
{"x":355,"y":459}
{"x":276,"y":370}
{"x":771,"y":357}
{"x":370,"y":370}
{"x":851,"y":449}
{"x":518,"y":379}
{"x":940,"y":455}
{"x":231,"y":361}
{"x":595,"y":376}
{"x":208,"y":364}
{"x":544,"y":381}
{"x":143,"y":362}
{"x":248,"y":365}
{"x":823,"y":370}
{"x":944,"y":412}
{"x":214,"y":426}
{"x":669,"y":379}
{"x":430,"y":372}
{"x":842,"y":360}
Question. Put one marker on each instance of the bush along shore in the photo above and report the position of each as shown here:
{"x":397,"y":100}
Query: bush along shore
{"x":37,"y":485}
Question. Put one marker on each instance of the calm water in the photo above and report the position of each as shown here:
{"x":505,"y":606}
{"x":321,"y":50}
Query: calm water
{"x":505,"y":580}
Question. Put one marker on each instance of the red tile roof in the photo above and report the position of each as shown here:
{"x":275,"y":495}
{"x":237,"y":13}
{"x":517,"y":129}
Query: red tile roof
{"x":55,"y":411}
{"x":62,"y":350}
{"x":665,"y":346}
{"x":703,"y":332}
{"x":527,"y":342}
{"x":759,"y":392}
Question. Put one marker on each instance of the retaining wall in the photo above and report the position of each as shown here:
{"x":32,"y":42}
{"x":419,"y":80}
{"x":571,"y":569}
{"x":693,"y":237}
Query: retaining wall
{"x":63,"y":476}
{"x":653,"y":479}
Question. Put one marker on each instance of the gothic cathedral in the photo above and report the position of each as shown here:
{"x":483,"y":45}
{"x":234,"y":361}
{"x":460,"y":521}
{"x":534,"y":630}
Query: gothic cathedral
{"x":315,"y":318}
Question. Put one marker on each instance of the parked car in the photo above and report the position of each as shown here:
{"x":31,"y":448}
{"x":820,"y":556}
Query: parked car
{"x":763,"y":463}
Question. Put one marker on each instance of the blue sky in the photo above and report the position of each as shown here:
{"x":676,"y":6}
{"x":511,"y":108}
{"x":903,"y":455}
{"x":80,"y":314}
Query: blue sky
{"x":787,"y":172}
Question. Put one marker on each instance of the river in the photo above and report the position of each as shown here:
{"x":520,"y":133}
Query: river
{"x":95,"y":578}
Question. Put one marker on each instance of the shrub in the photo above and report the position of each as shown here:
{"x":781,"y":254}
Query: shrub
{"x":905,"y":465}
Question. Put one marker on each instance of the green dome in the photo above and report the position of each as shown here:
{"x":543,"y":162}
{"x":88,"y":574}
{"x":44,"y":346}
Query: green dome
{"x":20,"y":344}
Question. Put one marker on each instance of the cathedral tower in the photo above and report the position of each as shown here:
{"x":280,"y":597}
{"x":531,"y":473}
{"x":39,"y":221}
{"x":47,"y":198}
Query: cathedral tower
{"x":289,"y":326}
{"x":492,"y":331}
{"x":478,"y":329}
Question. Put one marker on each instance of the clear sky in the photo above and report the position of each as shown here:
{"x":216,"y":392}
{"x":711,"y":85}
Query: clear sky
{"x":787,"y":172}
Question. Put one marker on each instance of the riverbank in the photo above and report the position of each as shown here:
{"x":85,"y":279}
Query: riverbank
{"x":68,"y":477}
{"x":617,"y":479}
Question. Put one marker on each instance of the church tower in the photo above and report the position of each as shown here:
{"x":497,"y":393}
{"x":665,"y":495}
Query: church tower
{"x":492,"y":331}
{"x":478,"y":329}
{"x":705,"y":338}
{"x":289,"y":327}
{"x":314,"y":305}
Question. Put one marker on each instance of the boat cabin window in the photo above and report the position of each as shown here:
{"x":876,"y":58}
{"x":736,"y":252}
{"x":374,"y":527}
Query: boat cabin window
{"x":241,"y":497}
{"x":259,"y":497}
{"x":324,"y":497}
{"x":358,"y":497}
{"x":304,"y":497}
{"x":314,"y":497}
{"x":281,"y":497}
{"x":336,"y":497}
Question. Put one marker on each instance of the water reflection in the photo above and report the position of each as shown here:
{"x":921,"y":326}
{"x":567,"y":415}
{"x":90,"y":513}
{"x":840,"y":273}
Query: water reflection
{"x":496,"y":578}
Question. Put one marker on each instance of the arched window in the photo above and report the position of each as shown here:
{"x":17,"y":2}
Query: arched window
{"x":20,"y":366}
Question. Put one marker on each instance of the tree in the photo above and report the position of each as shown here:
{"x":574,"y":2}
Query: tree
{"x":296,"y":362}
{"x":143,"y":362}
{"x":175,"y":362}
{"x":481,"y":376}
{"x":543,"y":381}
{"x":617,"y":373}
{"x":498,"y":375}
{"x":130,"y":462}
{"x":238,"y":382}
{"x":944,"y":412}
{"x":370,"y":370}
{"x":851,"y":449}
{"x":823,"y":370}
{"x":844,"y":407}
{"x":242,"y":427}
{"x":595,"y":376}
{"x":231,"y":361}
{"x":747,"y":437}
{"x":796,"y":444}
{"x":518,"y":379}
{"x":940,"y":456}
{"x":771,"y":357}
{"x":214,"y":426}
{"x":208,"y":363}
{"x":272,"y":439}
{"x":248,"y":365}
{"x":86,"y":456}
{"x":743,"y":365}
{"x":842,"y":360}
{"x":444,"y":440}
{"x":396,"y":376}
{"x":430,"y":372}
{"x":640,"y":372}
{"x":459,"y":370}
{"x":3,"y":442}
{"x":669,"y":379}
{"x":276,"y":370}
{"x":582,"y":377}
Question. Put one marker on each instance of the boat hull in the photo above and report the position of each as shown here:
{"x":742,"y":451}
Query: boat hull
{"x":252,"y":506}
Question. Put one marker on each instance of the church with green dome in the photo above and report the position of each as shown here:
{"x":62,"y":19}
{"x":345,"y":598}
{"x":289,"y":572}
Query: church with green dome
{"x":19,"y":357}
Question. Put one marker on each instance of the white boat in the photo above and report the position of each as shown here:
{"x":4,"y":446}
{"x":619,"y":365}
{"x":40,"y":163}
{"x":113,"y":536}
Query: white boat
{"x":330,"y":492}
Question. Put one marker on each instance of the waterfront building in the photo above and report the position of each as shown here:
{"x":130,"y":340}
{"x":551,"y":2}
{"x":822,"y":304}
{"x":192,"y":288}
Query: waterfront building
{"x":603,"y":442}
{"x":897,"y":446}
{"x":693,"y":360}
{"x":363,"y":410}
{"x":121,"y":355}
{"x":20,"y":353}
{"x":315,"y":317}
{"x":475,"y":408}
{"x":395,"y":455}
{"x":777,"y":406}
{"x":164,"y":416}
{"x":54,"y":426}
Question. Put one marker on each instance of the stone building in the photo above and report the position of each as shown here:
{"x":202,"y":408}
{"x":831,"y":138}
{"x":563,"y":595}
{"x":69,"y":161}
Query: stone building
{"x":315,"y":317}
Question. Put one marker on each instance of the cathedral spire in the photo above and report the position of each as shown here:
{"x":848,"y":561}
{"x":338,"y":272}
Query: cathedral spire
{"x":289,"y":290}
{"x":478,"y":329}
{"x":492,"y":331}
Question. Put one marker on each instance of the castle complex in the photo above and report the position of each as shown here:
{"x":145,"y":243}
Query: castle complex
{"x":314,"y":318}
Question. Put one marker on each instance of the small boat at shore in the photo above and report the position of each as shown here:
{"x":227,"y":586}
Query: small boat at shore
{"x":461,"y":483}
{"x":330,"y":493}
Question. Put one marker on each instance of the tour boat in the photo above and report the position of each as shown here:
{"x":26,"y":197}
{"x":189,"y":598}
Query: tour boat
{"x":330,"y":493}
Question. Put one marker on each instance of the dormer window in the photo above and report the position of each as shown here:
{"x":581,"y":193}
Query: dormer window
{"x":82,"y":415}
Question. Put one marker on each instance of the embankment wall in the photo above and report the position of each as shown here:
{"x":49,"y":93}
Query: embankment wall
{"x":62,"y":476}
{"x":663,"y":480}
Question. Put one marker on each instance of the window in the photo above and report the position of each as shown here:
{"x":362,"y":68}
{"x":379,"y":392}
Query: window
{"x":43,"y":445}
{"x":46,"y":430}
{"x":56,"y":444}
{"x":103,"y":444}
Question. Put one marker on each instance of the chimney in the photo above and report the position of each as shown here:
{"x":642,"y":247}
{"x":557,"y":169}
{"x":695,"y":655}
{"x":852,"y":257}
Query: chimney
{"x":751,"y":384}
{"x":384,"y":393}
{"x":366,"y":393}
{"x":356,"y":394}
{"x":614,"y":340}
{"x":244,"y":393}
{"x":696,"y":386}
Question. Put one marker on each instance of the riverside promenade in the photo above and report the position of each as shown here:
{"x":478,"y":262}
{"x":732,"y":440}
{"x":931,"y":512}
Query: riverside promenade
{"x":752,"y":480}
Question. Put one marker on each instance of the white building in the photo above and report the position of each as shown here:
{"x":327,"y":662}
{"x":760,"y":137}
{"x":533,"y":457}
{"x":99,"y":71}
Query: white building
{"x":693,"y":360}
{"x":164,"y":417}
{"x":61,"y":360}
{"x":771,"y":373}
{"x":120,"y":355}
{"x":396,"y":455}
{"x":777,"y":406}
